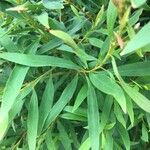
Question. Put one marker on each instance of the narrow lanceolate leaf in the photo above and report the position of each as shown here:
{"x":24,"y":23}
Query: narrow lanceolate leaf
{"x":69,"y":41}
{"x":50,"y":142}
{"x":106,"y":111}
{"x":137,"y":3}
{"x":32,"y":121}
{"x":38,"y":60}
{"x":65,"y":37}
{"x":144,"y":136}
{"x":13,"y":87}
{"x":65,"y":140}
{"x":80,"y":97}
{"x":111,"y":17}
{"x":119,"y":115}
{"x":99,"y":17}
{"x":6,"y":42}
{"x":62,"y":101}
{"x":46,"y":103}
{"x":53,"y":4}
{"x":93,"y":117}
{"x":135,"y":69}
{"x":43,"y":19}
{"x":140,"y":40}
{"x":109,"y":86}
{"x":136,"y":96}
{"x":124,"y":135}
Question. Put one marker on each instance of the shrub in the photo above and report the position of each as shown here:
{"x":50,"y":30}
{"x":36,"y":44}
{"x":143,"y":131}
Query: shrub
{"x":74,"y":74}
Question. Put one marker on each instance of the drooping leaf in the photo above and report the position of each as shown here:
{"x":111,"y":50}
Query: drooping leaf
{"x":125,"y":136}
{"x":136,"y":96}
{"x":65,"y":140}
{"x":62,"y":101}
{"x":46,"y":103}
{"x":109,"y":86}
{"x":32,"y":121}
{"x":80,"y":97}
{"x":93,"y":117}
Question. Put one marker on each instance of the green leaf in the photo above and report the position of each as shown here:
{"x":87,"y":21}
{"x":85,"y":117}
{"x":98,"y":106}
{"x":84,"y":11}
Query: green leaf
{"x":32,"y":121}
{"x":80,"y":97}
{"x":135,"y":69}
{"x":124,"y":135}
{"x":70,"y":116}
{"x":50,"y":143}
{"x":43,"y":19}
{"x":68,"y":40}
{"x":96,"y":42}
{"x":3,"y":125}
{"x":99,"y":17}
{"x":109,"y":141}
{"x":106,"y":112}
{"x":65,"y":37}
{"x":111,"y":17}
{"x":107,"y":85}
{"x":62,"y":101}
{"x":119,"y":115}
{"x":136,"y":96}
{"x":6,"y":42}
{"x":65,"y":140}
{"x":85,"y":145}
{"x":46,"y":103}
{"x":38,"y":60}
{"x":144,"y":136}
{"x":53,"y":4}
{"x":140,"y":40}
{"x":93,"y":117}
{"x":137,"y":3}
{"x":130,"y":109}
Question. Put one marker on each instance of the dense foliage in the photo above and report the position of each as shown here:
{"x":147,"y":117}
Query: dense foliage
{"x":74,"y":74}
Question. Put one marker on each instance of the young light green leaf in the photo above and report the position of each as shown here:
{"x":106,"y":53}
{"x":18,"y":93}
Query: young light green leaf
{"x":109,"y":86}
{"x":32,"y":121}
{"x":136,"y":96}
{"x":137,"y":3}
{"x":144,"y":136}
{"x":99,"y":16}
{"x":38,"y":60}
{"x":53,"y":4}
{"x":43,"y":19}
{"x":68,"y":40}
{"x":140,"y":40}
{"x":46,"y":103}
{"x":62,"y":101}
{"x":85,"y":145}
{"x":65,"y":37}
{"x":93,"y":117}
{"x":80,"y":97}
